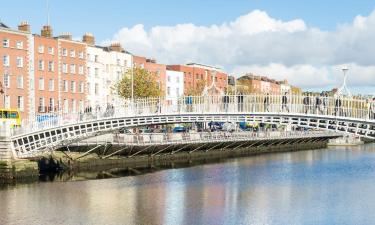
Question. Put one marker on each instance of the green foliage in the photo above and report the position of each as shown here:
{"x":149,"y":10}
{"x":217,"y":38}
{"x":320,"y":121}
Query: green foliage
{"x":197,"y":89}
{"x":145,"y":84}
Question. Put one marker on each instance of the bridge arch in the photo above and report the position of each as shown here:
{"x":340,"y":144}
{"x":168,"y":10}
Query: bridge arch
{"x":29,"y":144}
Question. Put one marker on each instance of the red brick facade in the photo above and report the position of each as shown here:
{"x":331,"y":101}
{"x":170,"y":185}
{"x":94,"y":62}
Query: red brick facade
{"x":193,"y":74}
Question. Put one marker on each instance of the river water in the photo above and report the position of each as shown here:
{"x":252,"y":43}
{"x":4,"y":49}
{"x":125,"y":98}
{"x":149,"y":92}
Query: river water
{"x":328,"y":186}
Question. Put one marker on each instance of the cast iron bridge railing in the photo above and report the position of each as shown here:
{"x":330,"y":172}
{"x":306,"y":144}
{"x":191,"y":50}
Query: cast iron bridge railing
{"x":347,"y":115}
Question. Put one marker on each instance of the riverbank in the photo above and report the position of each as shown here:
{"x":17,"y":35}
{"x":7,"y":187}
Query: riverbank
{"x":76,"y":161}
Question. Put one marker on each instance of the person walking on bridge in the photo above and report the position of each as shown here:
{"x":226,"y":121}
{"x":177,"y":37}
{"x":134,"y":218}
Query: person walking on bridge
{"x":266,"y":102}
{"x":372,"y":109}
{"x":240,"y":102}
{"x":284,"y":102}
{"x":306,"y":103}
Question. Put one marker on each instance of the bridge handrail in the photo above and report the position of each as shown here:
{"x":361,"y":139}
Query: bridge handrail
{"x":323,"y":106}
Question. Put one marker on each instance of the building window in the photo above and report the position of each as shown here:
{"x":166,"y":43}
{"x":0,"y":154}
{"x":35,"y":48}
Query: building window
{"x":88,"y":57}
{"x":6,"y":61}
{"x":81,"y":105}
{"x":19,"y":62}
{"x":169,"y":91}
{"x":74,"y":105}
{"x":73,"y":86}
{"x":72,"y":53}
{"x":6,"y":43}
{"x":96,"y":89}
{"x":177,"y":92}
{"x":51,"y":104}
{"x":51,"y":50}
{"x":65,"y":86}
{"x":64,"y":52}
{"x":20,"y":103}
{"x":65,"y":68}
{"x":41,"y":104}
{"x":72,"y":68}
{"x":20,"y":81}
{"x":51,"y":66}
{"x":6,"y":80}
{"x":41,"y":84}
{"x":96,"y":72}
{"x":51,"y":85}
{"x":81,"y":87}
{"x":178,"y":79}
{"x":41,"y":49}
{"x":41,"y":65}
{"x":118,"y":75}
{"x":66,"y":105}
{"x":169,"y":78}
{"x":19,"y":45}
{"x":88,"y":71}
{"x":80,"y":55}
{"x":118,"y":62}
{"x":7,"y":101}
{"x":96,"y":59}
{"x":80,"y":70}
{"x":88,"y":88}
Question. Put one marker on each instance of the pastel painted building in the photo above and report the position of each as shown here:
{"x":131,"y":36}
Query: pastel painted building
{"x":174,"y":85}
{"x":105,"y":67}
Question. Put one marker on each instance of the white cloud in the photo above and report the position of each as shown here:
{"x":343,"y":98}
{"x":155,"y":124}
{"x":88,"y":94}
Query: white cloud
{"x":258,"y":43}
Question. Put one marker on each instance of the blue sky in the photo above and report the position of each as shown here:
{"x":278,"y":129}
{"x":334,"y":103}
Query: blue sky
{"x":306,"y":42}
{"x":104,"y":18}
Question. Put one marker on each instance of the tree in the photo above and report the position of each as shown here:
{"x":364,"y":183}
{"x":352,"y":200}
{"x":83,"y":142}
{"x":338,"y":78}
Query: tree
{"x":197,"y":89}
{"x":145,"y":84}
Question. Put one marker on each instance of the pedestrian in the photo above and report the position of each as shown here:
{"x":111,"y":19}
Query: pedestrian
{"x":306,"y":103}
{"x":225,"y":102}
{"x":372,"y":111}
{"x":266,"y":102}
{"x":318,"y":103}
{"x":284,"y":102}
{"x":240,"y":102}
{"x":338,"y":109}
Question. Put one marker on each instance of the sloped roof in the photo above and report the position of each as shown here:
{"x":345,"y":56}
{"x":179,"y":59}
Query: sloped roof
{"x":3,"y":25}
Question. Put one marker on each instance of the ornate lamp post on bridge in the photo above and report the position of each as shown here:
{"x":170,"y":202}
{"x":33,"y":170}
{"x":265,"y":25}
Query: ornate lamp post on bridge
{"x":343,"y":90}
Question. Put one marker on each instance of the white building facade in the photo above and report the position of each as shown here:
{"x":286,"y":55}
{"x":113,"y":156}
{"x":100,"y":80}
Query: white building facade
{"x":105,"y":67}
{"x":174,"y":85}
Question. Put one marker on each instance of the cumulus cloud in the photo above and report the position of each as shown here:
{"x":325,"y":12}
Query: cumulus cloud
{"x":258,"y":43}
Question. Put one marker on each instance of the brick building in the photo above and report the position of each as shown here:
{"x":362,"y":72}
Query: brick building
{"x":15,"y":69}
{"x":156,"y":69}
{"x":41,"y":73}
{"x":194,"y":73}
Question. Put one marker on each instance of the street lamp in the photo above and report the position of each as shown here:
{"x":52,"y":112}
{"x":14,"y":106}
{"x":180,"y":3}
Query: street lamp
{"x":343,"y":90}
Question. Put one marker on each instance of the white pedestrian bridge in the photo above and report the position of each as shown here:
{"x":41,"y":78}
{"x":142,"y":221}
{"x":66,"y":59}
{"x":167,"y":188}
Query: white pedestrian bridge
{"x":54,"y":130}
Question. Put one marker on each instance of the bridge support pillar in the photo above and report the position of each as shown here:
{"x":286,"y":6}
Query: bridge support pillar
{"x":6,"y":153}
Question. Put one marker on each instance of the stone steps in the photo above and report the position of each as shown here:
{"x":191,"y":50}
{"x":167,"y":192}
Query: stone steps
{"x":5,"y":149}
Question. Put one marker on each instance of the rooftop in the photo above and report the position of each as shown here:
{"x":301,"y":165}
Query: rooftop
{"x":203,"y":66}
{"x":2,"y":25}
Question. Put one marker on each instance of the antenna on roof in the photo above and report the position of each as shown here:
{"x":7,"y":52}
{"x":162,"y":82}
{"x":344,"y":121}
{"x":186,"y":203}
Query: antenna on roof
{"x":48,"y":12}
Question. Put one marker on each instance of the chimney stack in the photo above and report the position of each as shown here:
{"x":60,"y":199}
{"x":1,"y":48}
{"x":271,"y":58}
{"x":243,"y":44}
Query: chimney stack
{"x":89,"y":39}
{"x":24,"y":26}
{"x":46,"y":31}
{"x":116,"y":47}
{"x":66,"y":36}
